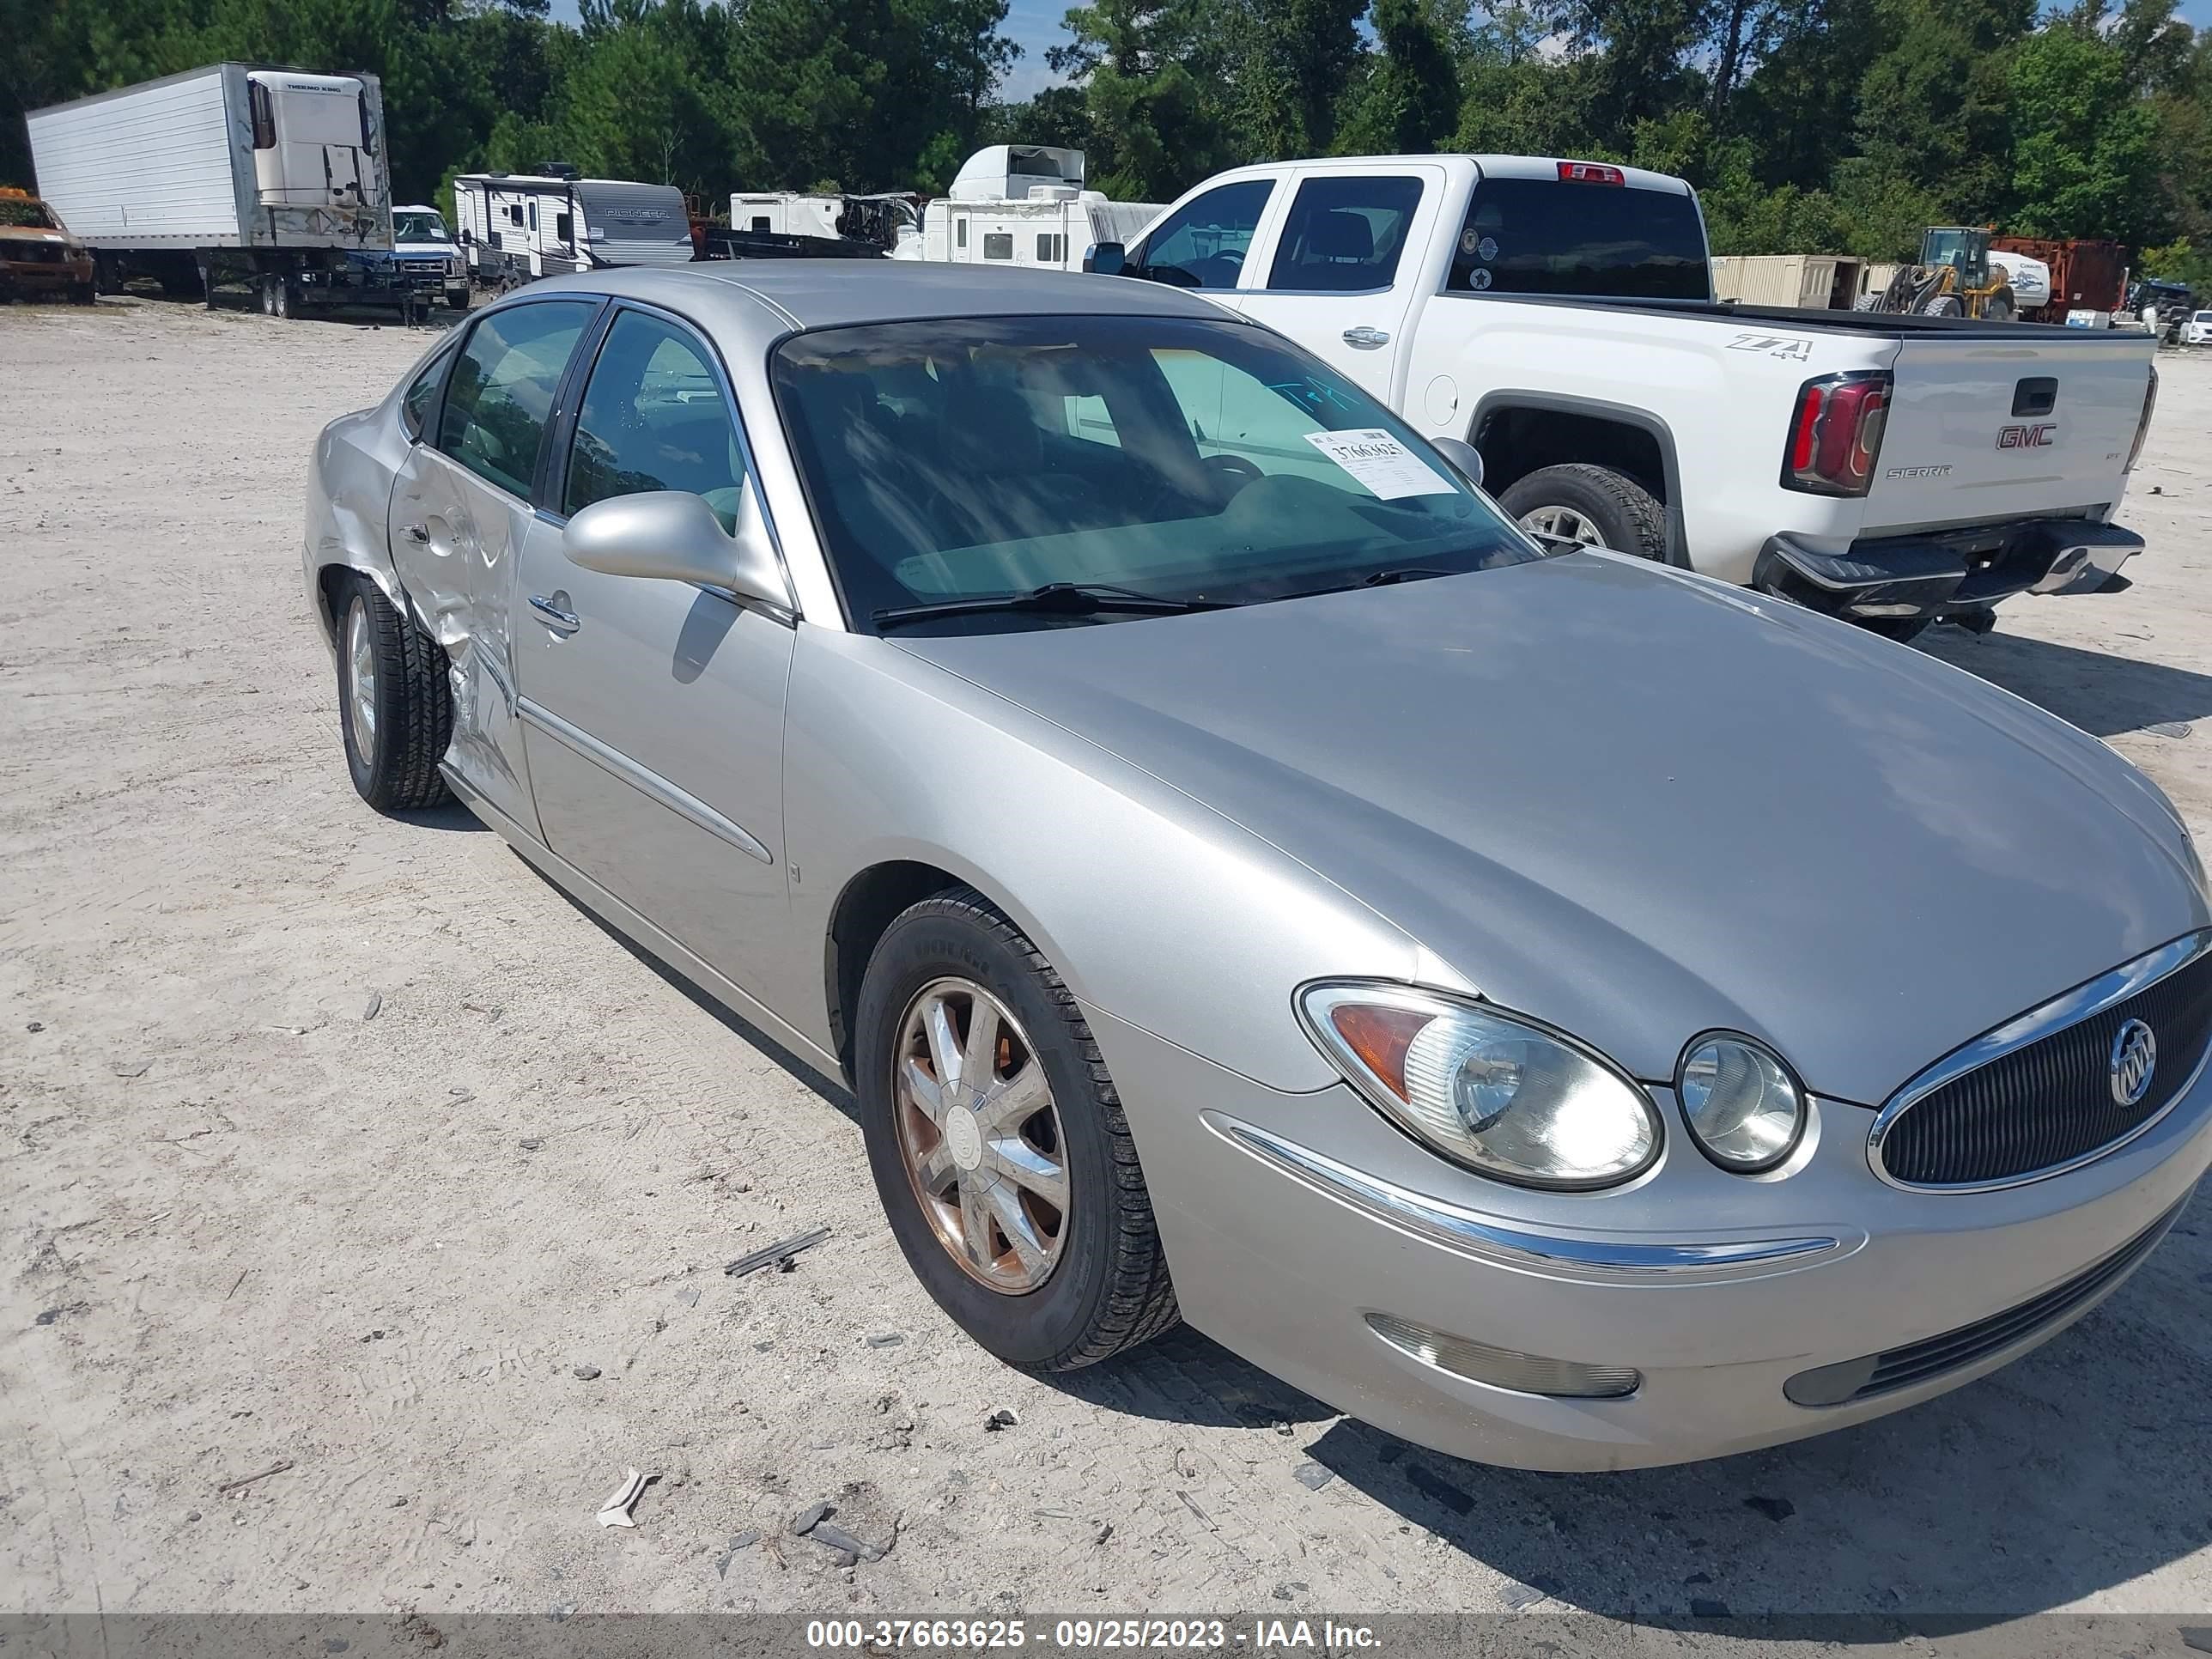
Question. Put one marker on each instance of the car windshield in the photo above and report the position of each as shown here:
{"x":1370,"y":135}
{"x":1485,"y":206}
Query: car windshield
{"x":1178,"y":459}
{"x":32,"y":214}
{"x":418,"y":228}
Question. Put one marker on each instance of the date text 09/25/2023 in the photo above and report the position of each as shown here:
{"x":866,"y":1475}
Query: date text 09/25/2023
{"x":1090,"y":1634}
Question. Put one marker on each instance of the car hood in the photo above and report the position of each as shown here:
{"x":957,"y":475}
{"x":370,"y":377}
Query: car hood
{"x":1639,"y":804}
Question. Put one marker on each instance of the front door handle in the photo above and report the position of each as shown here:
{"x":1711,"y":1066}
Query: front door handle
{"x":567,"y":621}
{"x":1366,"y":340}
{"x":415,"y":532}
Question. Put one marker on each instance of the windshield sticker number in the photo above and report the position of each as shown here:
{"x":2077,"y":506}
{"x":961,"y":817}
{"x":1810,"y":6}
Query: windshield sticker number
{"x":1378,"y":460}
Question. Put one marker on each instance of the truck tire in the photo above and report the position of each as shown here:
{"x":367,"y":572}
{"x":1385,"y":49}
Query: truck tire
{"x":395,"y":703}
{"x":283,"y":299}
{"x":1943,"y":305}
{"x":1593,"y":504}
{"x":1034,"y":1150}
{"x":1866,"y":302}
{"x":457,"y":299}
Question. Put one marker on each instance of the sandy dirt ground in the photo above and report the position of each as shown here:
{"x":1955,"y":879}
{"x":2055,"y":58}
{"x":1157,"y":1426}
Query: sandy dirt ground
{"x":347,"y":1154}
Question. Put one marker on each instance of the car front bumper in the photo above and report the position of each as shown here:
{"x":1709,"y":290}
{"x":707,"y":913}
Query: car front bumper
{"x":1948,"y":572}
{"x":1303,"y":1233}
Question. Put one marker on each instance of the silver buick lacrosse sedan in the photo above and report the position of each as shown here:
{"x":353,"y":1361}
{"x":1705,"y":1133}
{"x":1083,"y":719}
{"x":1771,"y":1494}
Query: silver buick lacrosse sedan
{"x":1565,"y":1011}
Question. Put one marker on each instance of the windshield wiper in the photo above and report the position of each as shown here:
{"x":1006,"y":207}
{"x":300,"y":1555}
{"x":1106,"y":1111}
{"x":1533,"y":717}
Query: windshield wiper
{"x":1058,"y":599}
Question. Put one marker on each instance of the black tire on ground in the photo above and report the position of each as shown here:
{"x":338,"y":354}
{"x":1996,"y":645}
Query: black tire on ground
{"x":1627,"y":517}
{"x":1943,"y":305}
{"x":1109,"y":1289}
{"x":457,"y":299}
{"x":412,"y":703}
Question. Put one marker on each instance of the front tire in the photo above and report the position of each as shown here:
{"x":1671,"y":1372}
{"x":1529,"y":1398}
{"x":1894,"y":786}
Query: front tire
{"x":395,"y":704}
{"x":1592,"y":506}
{"x":998,"y":1146}
{"x":457,"y":299}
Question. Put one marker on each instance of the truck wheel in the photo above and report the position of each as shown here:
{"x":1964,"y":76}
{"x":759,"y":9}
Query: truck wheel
{"x":457,"y":299}
{"x":395,"y":704}
{"x":1943,"y":305}
{"x":998,"y":1146}
{"x":283,"y":298}
{"x":1594,"y":506}
{"x":1866,"y":302}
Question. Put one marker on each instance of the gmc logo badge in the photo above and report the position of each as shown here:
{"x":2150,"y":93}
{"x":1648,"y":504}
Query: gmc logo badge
{"x":2026,"y":437}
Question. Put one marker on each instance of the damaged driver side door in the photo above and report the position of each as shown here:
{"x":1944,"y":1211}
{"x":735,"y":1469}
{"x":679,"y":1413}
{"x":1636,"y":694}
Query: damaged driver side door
{"x":460,"y":509}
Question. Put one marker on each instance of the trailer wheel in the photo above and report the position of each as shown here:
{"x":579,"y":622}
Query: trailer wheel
{"x":283,"y":298}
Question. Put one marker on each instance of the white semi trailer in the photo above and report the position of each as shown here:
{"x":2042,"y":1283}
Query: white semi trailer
{"x":277,"y":176}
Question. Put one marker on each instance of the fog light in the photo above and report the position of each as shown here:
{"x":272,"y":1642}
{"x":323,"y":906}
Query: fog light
{"x":1503,"y":1368}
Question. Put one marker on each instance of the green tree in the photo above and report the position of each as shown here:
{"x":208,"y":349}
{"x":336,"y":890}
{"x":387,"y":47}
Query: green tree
{"x":2084,"y":149}
{"x":1406,"y":100}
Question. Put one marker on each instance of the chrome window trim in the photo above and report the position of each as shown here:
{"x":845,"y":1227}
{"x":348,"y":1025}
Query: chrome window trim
{"x":2067,"y":1009}
{"x":1555,"y":1254}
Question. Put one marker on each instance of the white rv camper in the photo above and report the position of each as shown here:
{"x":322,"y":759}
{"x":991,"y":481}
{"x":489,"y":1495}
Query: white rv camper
{"x":273,"y":176}
{"x":515,"y":226}
{"x":1023,"y":204}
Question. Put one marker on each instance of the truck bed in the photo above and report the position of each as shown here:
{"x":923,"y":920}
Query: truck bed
{"x":1880,"y":325}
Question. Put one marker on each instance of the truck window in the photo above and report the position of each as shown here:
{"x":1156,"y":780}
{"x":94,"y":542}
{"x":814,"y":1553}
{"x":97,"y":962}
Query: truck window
{"x":1613,"y":242}
{"x":1202,"y":243}
{"x":1345,"y":235}
{"x":502,"y":389}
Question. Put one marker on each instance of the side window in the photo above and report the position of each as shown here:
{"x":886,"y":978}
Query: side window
{"x":415,"y":402}
{"x":998,"y":245}
{"x":533,"y":216}
{"x":653,"y":418}
{"x":760,"y":222}
{"x":1202,"y":244}
{"x":960,"y":233}
{"x":1345,"y":235}
{"x":1049,"y":249}
{"x":500,"y":392}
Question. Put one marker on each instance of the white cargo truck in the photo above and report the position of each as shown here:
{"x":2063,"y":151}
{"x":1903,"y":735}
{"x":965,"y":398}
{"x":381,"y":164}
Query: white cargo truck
{"x":277,"y":177}
{"x":516,"y":227}
{"x":1022,"y":204}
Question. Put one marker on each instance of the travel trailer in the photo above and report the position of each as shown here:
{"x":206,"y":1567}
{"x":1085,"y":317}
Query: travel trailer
{"x":516,"y":227}
{"x":274,"y":177}
{"x":878,"y":221}
{"x":1023,"y":204}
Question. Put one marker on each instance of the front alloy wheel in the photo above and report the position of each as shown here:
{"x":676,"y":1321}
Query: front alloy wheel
{"x":1563,"y":524}
{"x":981,"y":1136}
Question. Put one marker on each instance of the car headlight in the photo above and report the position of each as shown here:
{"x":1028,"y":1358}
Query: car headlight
{"x":1745,"y":1112}
{"x":1495,"y":1092}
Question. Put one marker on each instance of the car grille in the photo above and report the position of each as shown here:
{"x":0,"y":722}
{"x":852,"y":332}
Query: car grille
{"x":1920,"y":1362}
{"x":35,"y":253}
{"x":2050,"y":1103}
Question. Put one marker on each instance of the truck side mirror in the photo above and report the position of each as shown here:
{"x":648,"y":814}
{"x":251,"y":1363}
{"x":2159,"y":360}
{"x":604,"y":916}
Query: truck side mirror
{"x":1106,"y":259}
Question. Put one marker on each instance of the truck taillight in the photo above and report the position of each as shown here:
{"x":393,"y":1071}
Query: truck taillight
{"x":1591,"y":173}
{"x":1835,"y":434}
{"x":2143,"y":426}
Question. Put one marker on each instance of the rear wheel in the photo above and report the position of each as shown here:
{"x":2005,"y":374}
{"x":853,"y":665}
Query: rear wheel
{"x":1591,"y":505}
{"x":395,"y":705}
{"x":998,"y":1143}
{"x":1998,"y":308}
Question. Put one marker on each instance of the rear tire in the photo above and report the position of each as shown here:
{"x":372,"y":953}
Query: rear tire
{"x":395,"y":703}
{"x":1105,"y":1287}
{"x":1624,"y":515}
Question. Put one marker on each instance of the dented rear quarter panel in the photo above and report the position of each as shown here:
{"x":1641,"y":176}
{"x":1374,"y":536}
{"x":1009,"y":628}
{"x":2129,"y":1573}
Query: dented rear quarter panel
{"x":350,"y":479}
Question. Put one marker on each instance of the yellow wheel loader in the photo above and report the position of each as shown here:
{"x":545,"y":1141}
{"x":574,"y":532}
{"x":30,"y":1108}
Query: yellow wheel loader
{"x":1953,"y":279}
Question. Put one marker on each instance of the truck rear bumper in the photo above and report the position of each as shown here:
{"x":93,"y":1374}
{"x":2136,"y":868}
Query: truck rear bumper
{"x":1947,"y":573}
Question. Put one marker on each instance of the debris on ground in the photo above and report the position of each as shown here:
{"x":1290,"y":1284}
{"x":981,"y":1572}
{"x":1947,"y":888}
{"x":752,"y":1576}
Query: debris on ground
{"x":131,"y":1068}
{"x":811,"y":1517}
{"x":615,"y":1512}
{"x":1312,"y":1476}
{"x":830,"y":1536}
{"x":885,"y":1340}
{"x":246,"y":1480}
{"x":375,"y":1006}
{"x":2199,"y":1636}
{"x":1105,"y":1531}
{"x":1001,"y":1419}
{"x":586,"y":1373}
{"x":1774,"y":1509}
{"x":533,"y":1143}
{"x":778,"y":1255}
{"x":2169,"y":728}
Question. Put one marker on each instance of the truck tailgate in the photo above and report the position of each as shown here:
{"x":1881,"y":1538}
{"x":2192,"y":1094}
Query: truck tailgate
{"x":1983,"y":429}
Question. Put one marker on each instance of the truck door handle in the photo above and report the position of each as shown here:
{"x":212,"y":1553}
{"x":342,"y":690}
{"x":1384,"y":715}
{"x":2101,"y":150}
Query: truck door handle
{"x":1366,"y":340}
{"x":567,"y":621}
{"x":415,"y":532}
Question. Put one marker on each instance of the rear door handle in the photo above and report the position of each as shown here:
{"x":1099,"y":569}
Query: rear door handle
{"x":567,"y":621}
{"x":1365,"y":338}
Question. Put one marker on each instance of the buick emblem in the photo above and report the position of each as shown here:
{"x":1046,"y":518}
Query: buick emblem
{"x":2135,"y":1057}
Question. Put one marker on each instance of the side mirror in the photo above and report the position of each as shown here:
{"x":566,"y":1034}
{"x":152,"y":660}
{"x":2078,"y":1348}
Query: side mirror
{"x":672,"y":535}
{"x":1463,"y":456}
{"x":1107,"y":259}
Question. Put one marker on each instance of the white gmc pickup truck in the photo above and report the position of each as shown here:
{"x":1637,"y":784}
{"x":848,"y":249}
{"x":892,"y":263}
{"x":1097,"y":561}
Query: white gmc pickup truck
{"x":1559,"y":316}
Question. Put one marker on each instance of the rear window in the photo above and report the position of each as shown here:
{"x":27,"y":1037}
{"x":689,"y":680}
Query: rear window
{"x":1614,"y":242}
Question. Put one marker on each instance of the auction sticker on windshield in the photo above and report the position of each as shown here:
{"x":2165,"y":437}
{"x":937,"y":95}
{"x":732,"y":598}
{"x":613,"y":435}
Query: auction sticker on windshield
{"x":1381,"y":463}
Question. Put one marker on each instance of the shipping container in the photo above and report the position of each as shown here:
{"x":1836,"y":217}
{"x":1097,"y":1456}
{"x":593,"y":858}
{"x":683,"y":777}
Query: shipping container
{"x":1811,"y":282}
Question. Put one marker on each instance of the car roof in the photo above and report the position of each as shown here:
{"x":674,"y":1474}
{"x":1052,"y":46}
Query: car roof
{"x":776,"y":296}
